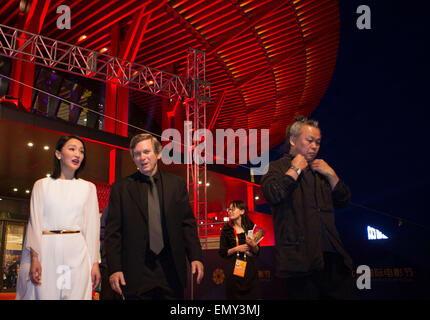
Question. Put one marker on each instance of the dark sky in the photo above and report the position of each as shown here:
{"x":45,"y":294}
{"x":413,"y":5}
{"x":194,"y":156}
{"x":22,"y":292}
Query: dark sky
{"x":374,"y":120}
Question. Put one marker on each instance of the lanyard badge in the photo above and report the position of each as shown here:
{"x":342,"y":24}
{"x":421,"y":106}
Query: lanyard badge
{"x":239,"y":265}
{"x":239,"y":268}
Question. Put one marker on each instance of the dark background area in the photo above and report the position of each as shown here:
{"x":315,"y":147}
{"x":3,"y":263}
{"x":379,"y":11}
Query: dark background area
{"x":373,"y":119}
{"x":374,"y":123}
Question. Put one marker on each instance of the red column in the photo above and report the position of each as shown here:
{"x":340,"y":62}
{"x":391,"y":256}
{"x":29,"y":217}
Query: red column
{"x":117,"y":97}
{"x":111,"y":98}
{"x":22,"y":71}
{"x":250,"y":196}
{"x":112,"y":165}
{"x":110,"y":107}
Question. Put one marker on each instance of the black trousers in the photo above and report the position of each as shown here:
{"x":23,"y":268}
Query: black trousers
{"x":334,"y":282}
{"x":157,"y":293}
{"x":160,"y":280}
{"x":106,"y":292}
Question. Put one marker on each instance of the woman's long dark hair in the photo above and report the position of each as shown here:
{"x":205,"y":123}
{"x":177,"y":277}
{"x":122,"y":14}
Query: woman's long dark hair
{"x":57,"y":165}
{"x":247,"y":224}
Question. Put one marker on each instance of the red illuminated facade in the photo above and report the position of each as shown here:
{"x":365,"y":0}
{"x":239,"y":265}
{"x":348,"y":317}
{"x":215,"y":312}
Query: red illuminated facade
{"x":266,"y":61}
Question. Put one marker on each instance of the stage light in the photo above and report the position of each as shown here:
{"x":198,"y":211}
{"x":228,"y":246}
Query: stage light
{"x":257,"y":198}
{"x":15,"y":189}
{"x":81,"y":38}
{"x":48,"y":175}
{"x":30,"y":144}
{"x":103,"y":50}
{"x":27,"y":191}
{"x":46,"y":147}
{"x":207,"y":184}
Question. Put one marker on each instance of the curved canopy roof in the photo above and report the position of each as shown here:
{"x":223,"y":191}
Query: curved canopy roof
{"x":266,"y":60}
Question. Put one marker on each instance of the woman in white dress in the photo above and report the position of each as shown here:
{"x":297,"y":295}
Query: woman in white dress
{"x":60,"y":256}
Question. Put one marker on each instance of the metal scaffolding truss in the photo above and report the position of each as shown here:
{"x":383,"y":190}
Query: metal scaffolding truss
{"x":26,"y":46}
{"x":193,"y":90}
{"x":196,"y":118}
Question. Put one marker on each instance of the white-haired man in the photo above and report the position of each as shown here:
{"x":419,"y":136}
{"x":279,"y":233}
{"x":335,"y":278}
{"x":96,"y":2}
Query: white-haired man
{"x":303,"y":192}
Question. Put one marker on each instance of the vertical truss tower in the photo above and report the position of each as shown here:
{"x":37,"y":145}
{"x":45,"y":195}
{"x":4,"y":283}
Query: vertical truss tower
{"x":196,"y":119}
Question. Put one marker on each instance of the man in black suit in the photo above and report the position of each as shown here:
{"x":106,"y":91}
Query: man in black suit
{"x":150,"y":229}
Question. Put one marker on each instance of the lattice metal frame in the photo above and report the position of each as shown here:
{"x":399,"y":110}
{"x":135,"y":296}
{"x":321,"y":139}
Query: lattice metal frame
{"x":196,"y":115}
{"x":193,"y":90}
{"x":44,"y":51}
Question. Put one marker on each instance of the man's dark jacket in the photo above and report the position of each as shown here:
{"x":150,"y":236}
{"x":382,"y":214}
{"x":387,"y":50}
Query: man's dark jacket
{"x":297,"y":232}
{"x":126,"y":234}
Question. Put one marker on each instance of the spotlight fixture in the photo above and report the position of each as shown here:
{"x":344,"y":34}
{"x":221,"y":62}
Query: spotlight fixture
{"x":103,"y":50}
{"x":46,"y":147}
{"x":30,"y":144}
{"x":15,"y":189}
{"x":257,"y":197}
{"x":27,"y":191}
{"x":48,"y":175}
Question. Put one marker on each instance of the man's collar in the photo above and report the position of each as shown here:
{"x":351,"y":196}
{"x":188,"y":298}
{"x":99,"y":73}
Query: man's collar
{"x":144,"y":178}
{"x":289,"y":156}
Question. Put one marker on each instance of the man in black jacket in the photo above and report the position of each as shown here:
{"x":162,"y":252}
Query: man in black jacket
{"x":150,"y":229}
{"x":303,"y":192}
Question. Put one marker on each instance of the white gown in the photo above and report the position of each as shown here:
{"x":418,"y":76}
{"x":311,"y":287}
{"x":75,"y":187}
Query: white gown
{"x":66,"y":259}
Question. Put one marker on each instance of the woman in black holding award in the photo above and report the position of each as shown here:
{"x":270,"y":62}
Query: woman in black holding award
{"x":241,"y":251}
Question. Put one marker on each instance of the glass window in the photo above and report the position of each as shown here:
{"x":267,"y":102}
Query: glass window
{"x":12,"y":253}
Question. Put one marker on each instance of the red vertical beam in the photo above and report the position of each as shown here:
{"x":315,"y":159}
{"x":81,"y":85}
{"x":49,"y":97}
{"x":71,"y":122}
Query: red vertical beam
{"x":250,"y":196}
{"x":22,"y":71}
{"x":111,"y":88}
{"x":122,"y":110}
{"x":112,"y":163}
{"x":110,"y":107}
{"x":117,"y":97}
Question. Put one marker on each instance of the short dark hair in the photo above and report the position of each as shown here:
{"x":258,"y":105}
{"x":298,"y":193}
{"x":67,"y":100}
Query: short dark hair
{"x":247,"y":224}
{"x":57,"y":165}
{"x":295,"y":128}
{"x":156,"y":145}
